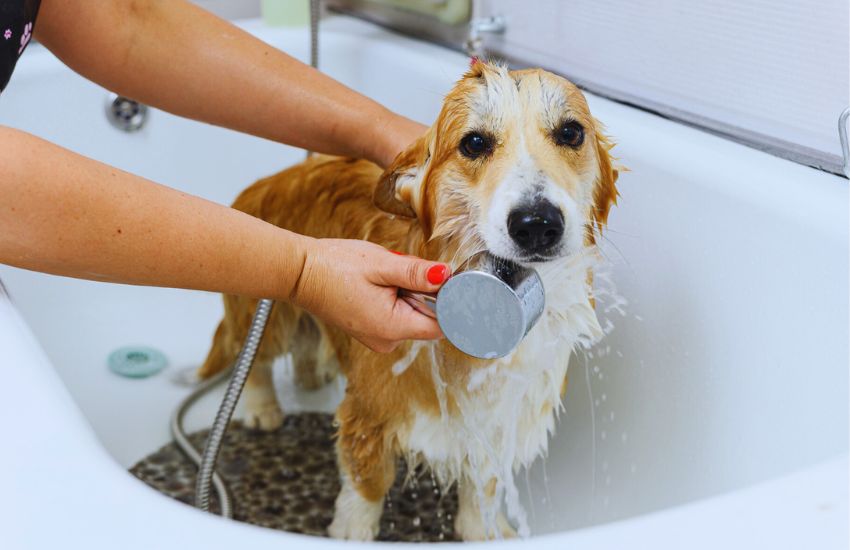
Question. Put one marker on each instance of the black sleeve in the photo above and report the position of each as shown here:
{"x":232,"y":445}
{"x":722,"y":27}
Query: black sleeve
{"x":17,"y":22}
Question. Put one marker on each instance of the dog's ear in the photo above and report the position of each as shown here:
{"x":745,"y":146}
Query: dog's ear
{"x":399,"y":186}
{"x":605,"y":188}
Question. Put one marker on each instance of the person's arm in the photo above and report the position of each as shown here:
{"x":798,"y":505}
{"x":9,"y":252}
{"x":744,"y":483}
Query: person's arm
{"x":175,"y":56}
{"x":65,"y":214}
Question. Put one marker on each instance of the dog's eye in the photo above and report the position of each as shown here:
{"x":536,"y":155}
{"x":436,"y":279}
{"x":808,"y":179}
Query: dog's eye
{"x":474,"y":145}
{"x":569,"y":134}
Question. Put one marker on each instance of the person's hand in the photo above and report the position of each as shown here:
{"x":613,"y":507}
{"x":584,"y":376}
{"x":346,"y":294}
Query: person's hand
{"x":354,"y":285}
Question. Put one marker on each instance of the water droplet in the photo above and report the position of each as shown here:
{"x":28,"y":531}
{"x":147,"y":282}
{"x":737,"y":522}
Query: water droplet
{"x":624,"y":436}
{"x":414,"y":495}
{"x":603,"y":434}
{"x":596,"y":402}
{"x":611,"y":416}
{"x":595,"y":369}
{"x":417,"y":521}
{"x":604,"y":397}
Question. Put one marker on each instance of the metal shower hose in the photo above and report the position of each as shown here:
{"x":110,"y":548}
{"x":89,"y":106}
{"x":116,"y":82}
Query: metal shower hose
{"x":206,"y":461}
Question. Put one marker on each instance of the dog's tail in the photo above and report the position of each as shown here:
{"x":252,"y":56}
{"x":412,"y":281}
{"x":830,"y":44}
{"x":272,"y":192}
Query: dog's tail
{"x":221,"y":355}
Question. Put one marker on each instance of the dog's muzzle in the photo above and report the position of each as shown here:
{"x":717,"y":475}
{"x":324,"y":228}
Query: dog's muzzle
{"x":536,"y":228}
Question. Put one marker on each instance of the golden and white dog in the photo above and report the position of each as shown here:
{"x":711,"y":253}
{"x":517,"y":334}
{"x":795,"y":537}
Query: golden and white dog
{"x":515,"y":164}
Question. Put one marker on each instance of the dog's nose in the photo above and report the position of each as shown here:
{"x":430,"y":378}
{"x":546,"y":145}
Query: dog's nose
{"x":536,"y":227}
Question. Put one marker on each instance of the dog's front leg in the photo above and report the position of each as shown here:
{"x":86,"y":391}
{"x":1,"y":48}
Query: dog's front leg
{"x":470,"y":522}
{"x":367,"y":469}
{"x":355,"y":516}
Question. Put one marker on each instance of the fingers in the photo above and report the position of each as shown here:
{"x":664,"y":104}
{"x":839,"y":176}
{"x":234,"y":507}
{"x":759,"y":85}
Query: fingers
{"x":405,"y":324}
{"x":353,"y":285}
{"x":412,"y":273}
{"x":409,"y":324}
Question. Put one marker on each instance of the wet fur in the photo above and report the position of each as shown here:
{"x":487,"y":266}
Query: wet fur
{"x":431,"y":202}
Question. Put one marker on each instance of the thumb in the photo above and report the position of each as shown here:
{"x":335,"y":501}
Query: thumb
{"x":413,"y":273}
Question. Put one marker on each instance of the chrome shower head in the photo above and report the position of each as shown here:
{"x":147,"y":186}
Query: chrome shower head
{"x":485,"y":312}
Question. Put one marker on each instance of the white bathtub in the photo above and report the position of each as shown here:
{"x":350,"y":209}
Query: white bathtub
{"x":717,"y":418}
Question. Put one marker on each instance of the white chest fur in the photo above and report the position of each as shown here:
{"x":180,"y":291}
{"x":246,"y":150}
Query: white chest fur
{"x":507,"y":410}
{"x":504,"y":421}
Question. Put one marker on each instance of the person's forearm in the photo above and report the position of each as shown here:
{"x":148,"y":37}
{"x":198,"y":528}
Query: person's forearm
{"x":175,"y":56}
{"x":69,"y":215}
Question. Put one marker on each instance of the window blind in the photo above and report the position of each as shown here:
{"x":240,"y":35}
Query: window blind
{"x":772,"y":73}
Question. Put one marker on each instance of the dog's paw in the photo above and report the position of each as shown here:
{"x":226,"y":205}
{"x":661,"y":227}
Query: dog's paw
{"x":470,"y":527}
{"x":355,"y":518}
{"x":508,"y":532}
{"x":346,"y":529}
{"x":268,"y":417}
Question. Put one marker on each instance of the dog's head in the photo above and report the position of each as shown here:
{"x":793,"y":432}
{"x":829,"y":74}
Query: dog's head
{"x":515,"y":164}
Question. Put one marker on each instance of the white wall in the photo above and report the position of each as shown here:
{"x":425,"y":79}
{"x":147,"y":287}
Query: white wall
{"x":773,"y":67}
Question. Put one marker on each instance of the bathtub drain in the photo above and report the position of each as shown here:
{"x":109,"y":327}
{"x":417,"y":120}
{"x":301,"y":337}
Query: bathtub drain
{"x":125,"y":114}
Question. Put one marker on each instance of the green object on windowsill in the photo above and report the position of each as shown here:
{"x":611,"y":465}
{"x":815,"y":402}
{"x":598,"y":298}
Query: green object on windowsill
{"x":286,"y":13}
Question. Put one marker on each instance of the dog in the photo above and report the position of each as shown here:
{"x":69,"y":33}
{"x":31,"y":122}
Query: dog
{"x":516,"y":165}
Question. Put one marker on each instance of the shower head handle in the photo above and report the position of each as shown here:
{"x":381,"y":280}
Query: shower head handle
{"x":423,"y":302}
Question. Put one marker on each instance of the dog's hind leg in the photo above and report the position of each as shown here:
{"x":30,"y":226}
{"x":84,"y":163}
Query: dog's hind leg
{"x":313,"y":357}
{"x":262,"y":410}
{"x":222,"y":353}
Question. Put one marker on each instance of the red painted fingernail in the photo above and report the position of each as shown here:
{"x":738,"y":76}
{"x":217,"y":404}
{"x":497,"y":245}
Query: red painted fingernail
{"x":396,"y":252}
{"x":437,"y":274}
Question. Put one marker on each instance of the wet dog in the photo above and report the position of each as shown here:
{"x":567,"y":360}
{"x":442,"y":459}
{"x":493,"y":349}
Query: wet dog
{"x":515,"y":165}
